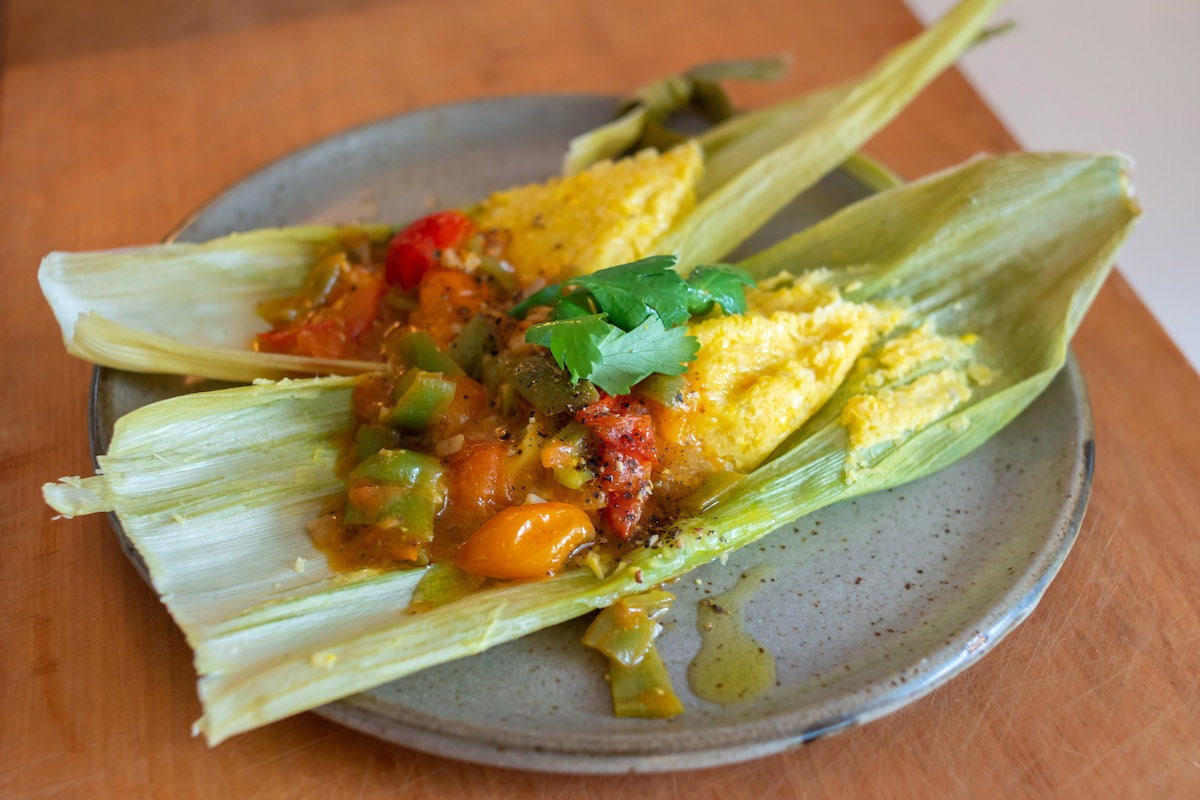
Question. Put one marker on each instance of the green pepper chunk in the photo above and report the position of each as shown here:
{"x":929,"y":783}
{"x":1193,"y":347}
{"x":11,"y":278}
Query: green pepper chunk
{"x":643,"y":690}
{"x":498,"y":270}
{"x":397,"y":489}
{"x":420,"y":397}
{"x":667,"y":390}
{"x":638,"y":679}
{"x":571,"y":439}
{"x":417,"y":349}
{"x":370,"y":439}
{"x":625,"y":630}
{"x":402,"y":467}
{"x":317,"y":286}
{"x":549,"y":389}
{"x":469,"y":347}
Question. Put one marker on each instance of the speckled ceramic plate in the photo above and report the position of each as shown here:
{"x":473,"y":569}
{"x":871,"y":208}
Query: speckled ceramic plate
{"x":864,"y":606}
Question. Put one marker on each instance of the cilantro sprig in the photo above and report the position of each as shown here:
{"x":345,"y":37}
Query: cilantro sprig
{"x":619,"y":325}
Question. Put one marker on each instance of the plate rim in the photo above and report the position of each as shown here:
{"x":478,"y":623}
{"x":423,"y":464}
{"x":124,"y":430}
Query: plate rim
{"x":485,"y":745}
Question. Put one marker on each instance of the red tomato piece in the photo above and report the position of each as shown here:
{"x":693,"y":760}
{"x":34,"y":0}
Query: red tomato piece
{"x":627,"y":453}
{"x":418,"y":247}
{"x":627,"y":486}
{"x":357,"y":303}
{"x":318,"y":340}
{"x":332,"y":331}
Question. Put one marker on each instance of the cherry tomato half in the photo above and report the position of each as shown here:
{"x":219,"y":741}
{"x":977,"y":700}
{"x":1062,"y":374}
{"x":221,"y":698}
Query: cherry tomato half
{"x":416,"y":248}
{"x":529,"y":541}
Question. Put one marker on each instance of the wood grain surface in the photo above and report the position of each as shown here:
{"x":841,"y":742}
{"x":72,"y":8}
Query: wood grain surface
{"x":117,"y":119}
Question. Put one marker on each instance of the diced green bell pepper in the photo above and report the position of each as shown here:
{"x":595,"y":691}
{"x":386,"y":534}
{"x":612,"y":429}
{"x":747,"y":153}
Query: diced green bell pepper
{"x":625,"y":630}
{"x":370,"y":439}
{"x":469,"y":346}
{"x":664,"y":389}
{"x":638,"y":680}
{"x":410,"y":512}
{"x":406,"y":492}
{"x":320,"y":282}
{"x":549,"y":389}
{"x":417,"y":349}
{"x":643,"y":690}
{"x":419,"y":398}
{"x":415,"y":471}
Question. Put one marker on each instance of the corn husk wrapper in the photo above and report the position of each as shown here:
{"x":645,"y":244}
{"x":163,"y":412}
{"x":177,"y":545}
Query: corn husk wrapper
{"x":767,"y":159}
{"x":215,"y":489}
{"x":190,"y":309}
{"x":648,"y":107}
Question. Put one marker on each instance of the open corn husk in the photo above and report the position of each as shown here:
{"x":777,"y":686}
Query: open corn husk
{"x":215,"y":490}
{"x":189,"y":309}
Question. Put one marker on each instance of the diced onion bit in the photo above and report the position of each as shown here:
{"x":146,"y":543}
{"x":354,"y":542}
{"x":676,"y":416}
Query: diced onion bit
{"x":448,"y":447}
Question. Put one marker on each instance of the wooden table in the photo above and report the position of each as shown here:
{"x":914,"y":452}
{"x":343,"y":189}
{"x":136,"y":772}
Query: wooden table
{"x":119,"y":118}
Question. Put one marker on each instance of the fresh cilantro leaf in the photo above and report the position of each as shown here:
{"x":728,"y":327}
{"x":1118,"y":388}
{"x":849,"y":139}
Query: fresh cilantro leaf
{"x":619,"y":325}
{"x":573,"y":342}
{"x":630,"y":292}
{"x":627,"y":357}
{"x":575,"y":303}
{"x":717,"y":283}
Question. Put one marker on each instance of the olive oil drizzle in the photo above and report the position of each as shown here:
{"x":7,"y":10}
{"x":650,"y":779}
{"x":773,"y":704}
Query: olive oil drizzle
{"x":731,"y":666}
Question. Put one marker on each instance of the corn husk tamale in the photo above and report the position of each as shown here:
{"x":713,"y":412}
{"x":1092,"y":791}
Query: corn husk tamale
{"x":190,"y":309}
{"x":216,"y":489}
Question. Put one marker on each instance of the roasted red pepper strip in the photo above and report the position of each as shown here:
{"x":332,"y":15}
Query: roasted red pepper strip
{"x":627,"y":453}
{"x":418,"y":247}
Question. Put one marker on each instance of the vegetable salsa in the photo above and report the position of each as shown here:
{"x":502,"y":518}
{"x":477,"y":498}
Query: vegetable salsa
{"x":512,"y":424}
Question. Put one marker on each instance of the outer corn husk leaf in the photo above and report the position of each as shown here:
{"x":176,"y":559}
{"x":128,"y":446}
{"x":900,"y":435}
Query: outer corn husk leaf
{"x":743,"y":187}
{"x":739,"y":142}
{"x":215,"y":489}
{"x":656,"y":101}
{"x":187,"y":308}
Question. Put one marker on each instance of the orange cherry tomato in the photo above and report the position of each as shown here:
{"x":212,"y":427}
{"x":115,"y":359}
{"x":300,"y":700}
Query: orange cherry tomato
{"x":529,"y":541}
{"x":448,"y":298}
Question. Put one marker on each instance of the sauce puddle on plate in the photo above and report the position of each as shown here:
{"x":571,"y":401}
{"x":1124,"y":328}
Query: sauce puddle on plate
{"x":732,"y":666}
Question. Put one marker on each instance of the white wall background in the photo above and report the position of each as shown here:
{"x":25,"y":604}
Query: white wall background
{"x":1113,"y":75}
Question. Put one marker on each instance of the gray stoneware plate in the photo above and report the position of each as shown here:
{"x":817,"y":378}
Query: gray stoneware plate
{"x":865,"y":606}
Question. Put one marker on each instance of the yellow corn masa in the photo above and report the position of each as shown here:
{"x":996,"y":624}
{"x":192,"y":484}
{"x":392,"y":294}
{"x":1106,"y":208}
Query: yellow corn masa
{"x":758,"y":377}
{"x":902,"y":356}
{"x":880,"y":417}
{"x":786,"y":292}
{"x":611,"y":213}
